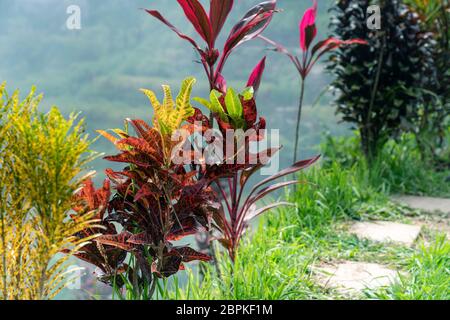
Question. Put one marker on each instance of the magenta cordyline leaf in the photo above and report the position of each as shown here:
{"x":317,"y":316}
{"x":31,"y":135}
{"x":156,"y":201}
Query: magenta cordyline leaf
{"x":294,"y":168}
{"x":254,"y":22}
{"x":247,"y":213}
{"x":260,"y":211}
{"x":256,"y":75}
{"x":308,"y":30}
{"x":218,"y":14}
{"x":281,"y":49}
{"x":328,"y":45}
{"x":221,"y":83}
{"x":196,"y":14}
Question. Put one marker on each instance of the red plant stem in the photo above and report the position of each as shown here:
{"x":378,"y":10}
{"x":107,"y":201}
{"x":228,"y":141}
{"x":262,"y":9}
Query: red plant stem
{"x":234,"y":204}
{"x":299,"y":118}
{"x":224,"y":196}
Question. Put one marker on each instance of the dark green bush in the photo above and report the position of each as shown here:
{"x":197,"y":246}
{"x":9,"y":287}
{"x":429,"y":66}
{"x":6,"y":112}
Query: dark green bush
{"x":433,"y":118}
{"x":378,"y":86}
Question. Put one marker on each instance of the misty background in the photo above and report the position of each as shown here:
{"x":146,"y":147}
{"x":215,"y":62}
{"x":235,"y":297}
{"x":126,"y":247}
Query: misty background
{"x":99,"y":69}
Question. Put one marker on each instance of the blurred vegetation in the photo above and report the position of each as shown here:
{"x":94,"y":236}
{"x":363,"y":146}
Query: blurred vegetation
{"x":398,"y":168}
{"x":99,"y":69}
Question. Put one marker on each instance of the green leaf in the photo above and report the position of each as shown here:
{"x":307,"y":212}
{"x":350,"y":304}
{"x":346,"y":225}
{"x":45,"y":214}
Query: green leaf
{"x":203,"y":102}
{"x":233,"y":103}
{"x":216,"y":106}
{"x":248,"y":93}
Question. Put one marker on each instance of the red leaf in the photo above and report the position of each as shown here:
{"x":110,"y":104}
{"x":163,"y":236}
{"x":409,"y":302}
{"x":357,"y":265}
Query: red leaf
{"x":196,"y":14}
{"x":140,"y":239}
{"x":250,"y":112}
{"x":328,"y":45}
{"x":269,"y":189}
{"x":221,"y":83}
{"x":333,"y":43}
{"x":266,"y":208}
{"x":117,"y":240}
{"x":308,"y":30}
{"x":188,"y":254}
{"x":294,"y":168}
{"x":256,"y":75}
{"x":158,"y":16}
{"x":250,"y":26}
{"x":218,"y":13}
{"x":279,"y":48}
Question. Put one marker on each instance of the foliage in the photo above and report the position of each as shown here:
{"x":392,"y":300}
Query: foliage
{"x":434,"y":116}
{"x":239,"y":112}
{"x":42,"y":158}
{"x":428,"y":278}
{"x":398,"y":167}
{"x":156,"y":202}
{"x":266,"y":268}
{"x":230,"y":110}
{"x":308,"y":32}
{"x":379,"y":85}
{"x":209,"y":26}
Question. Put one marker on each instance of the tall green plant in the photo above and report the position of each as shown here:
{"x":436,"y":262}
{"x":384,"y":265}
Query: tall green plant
{"x":378,"y":86}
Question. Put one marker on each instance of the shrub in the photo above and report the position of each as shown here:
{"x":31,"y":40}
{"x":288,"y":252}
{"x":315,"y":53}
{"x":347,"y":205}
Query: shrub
{"x":42,"y":157}
{"x":434,"y":116}
{"x":158,"y":201}
{"x":378,"y":85}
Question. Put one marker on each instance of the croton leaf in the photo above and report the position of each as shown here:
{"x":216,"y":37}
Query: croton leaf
{"x":117,"y":240}
{"x":188,"y":254}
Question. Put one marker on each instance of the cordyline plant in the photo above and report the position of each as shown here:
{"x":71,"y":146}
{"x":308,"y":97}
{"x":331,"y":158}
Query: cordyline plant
{"x":238,"y":113}
{"x":209,"y":26}
{"x":310,"y":56}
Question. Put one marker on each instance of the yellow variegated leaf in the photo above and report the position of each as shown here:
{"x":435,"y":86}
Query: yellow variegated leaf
{"x":184,"y":109}
{"x":170,"y":115}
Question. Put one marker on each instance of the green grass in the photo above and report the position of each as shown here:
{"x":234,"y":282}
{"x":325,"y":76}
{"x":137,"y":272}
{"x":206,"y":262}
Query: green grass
{"x":428,"y":275}
{"x":275,"y":261}
{"x":398,"y":169}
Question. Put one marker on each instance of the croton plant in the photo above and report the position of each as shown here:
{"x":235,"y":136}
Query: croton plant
{"x":155,"y":200}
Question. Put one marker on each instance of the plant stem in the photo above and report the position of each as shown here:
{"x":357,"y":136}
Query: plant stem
{"x":370,"y":138}
{"x":299,"y":118}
